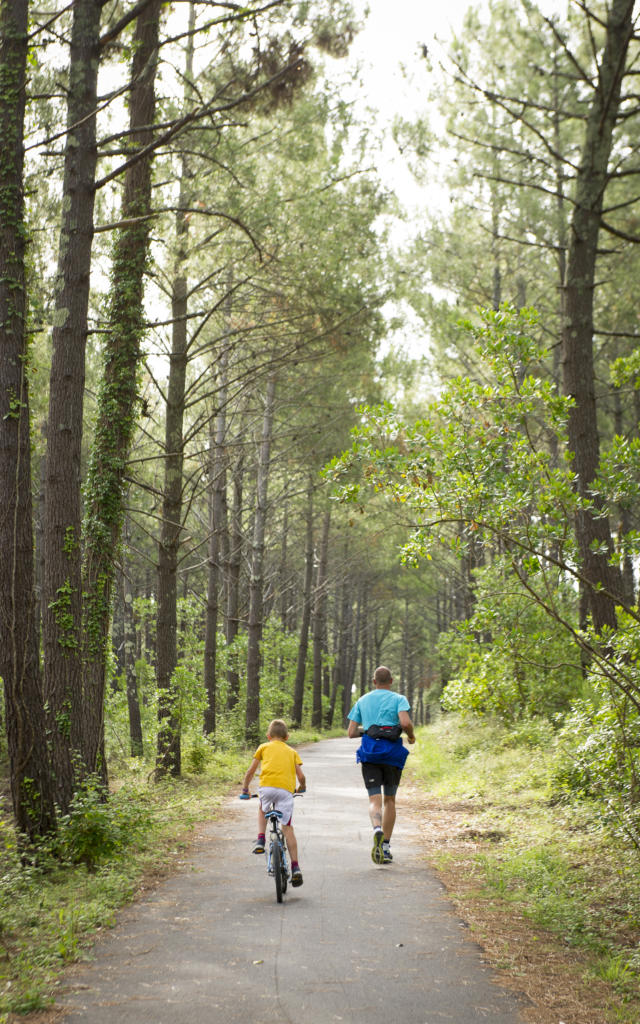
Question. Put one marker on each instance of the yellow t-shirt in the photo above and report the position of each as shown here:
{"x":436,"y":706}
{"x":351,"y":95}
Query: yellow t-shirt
{"x":278,"y":764}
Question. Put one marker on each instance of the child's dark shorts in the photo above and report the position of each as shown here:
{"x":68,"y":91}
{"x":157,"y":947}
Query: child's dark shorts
{"x":378,"y":775}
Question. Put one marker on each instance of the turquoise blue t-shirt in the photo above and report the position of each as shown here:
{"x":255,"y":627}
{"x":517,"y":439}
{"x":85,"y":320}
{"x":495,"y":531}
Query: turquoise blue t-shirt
{"x":379,"y":707}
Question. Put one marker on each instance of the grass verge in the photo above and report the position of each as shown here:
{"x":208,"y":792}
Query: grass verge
{"x":549,"y":894}
{"x":51,"y":907}
{"x":106,"y":854}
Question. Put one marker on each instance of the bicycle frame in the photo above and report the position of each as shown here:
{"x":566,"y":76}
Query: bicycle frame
{"x":276,"y":853}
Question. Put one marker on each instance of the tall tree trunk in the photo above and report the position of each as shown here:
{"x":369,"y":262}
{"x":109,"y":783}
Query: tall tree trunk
{"x":168,"y":750}
{"x":118,"y":396}
{"x":256,"y":582}
{"x":117,"y":627}
{"x":133,"y":700}
{"x":404,"y":654}
{"x":303,"y":643}
{"x":31,"y":781}
{"x":592,"y":526}
{"x":62,"y":582}
{"x":218,"y":526}
{"x":149,"y":637}
{"x":320,"y":621}
{"x":232,"y":610}
{"x":346,"y":643}
{"x":365,"y":633}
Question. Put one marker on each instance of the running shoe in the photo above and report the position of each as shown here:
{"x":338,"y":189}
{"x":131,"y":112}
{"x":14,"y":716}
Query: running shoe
{"x":377,"y":855}
{"x":259,"y":846}
{"x":296,"y":877}
{"x":387,"y":856}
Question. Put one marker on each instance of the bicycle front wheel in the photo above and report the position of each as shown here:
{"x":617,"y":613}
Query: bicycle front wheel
{"x":276,"y":864}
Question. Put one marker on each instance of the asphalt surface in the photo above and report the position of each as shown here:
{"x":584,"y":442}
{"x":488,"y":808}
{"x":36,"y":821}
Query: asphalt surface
{"x":358,"y":943}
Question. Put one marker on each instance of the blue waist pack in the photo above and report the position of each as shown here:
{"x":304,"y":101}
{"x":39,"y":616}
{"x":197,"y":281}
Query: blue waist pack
{"x":379,"y":751}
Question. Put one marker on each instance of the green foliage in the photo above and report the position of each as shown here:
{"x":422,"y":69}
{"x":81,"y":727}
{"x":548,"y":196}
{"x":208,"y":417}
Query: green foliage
{"x":64,"y":619}
{"x":600,"y":744}
{"x":551,"y":862}
{"x":197,"y":756}
{"x":511,"y":658}
{"x":478,"y":461}
{"x":97,"y":828}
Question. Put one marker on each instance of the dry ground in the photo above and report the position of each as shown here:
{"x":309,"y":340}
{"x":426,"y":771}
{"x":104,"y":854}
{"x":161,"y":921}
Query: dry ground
{"x":555,"y":978}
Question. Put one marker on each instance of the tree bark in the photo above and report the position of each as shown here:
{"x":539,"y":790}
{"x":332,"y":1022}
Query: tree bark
{"x":168,"y":759}
{"x":129,"y":657}
{"x":62,"y":581}
{"x":592,"y":527}
{"x":118,"y":397}
{"x":217,"y":533}
{"x":365,"y":675}
{"x":232,"y":610}
{"x":319,"y":621}
{"x":256,"y":582}
{"x":30,"y":776}
{"x":168,"y":752}
{"x":303,"y":643}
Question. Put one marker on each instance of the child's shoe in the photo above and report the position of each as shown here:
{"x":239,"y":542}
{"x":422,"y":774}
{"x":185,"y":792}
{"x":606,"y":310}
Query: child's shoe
{"x":259,"y":845}
{"x":296,"y":877}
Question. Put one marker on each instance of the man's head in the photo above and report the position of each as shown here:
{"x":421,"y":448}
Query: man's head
{"x":277,"y":730}
{"x":382,"y":677}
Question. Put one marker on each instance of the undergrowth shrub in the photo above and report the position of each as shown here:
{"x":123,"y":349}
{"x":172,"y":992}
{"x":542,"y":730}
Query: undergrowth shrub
{"x":96,"y":829}
{"x":510,"y":659}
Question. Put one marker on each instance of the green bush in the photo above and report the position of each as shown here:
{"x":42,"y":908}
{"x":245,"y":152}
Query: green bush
{"x":510,"y":658}
{"x":599,"y":753}
{"x":96,"y":829}
{"x":197,"y":756}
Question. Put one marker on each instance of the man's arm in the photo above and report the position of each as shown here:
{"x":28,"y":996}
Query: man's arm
{"x":353,"y":732}
{"x":405,"y":721}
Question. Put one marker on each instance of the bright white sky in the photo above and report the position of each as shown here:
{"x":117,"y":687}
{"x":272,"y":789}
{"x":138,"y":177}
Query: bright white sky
{"x":392,"y":37}
{"x":394,"y":33}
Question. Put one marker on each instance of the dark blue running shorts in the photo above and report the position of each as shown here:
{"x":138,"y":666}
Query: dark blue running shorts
{"x":378,"y":775}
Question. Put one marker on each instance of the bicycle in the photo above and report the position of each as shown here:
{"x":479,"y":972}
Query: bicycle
{"x":276,"y":853}
{"x":275,"y":849}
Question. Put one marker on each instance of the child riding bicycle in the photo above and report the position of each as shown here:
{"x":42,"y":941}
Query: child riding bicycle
{"x":281,"y":766}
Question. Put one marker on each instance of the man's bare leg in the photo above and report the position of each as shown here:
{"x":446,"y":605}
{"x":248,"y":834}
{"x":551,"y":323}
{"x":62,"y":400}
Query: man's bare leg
{"x":388,"y":816}
{"x":375,"y":809}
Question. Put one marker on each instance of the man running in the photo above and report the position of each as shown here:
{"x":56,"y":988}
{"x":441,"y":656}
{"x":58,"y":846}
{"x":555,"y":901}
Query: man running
{"x":380,"y":716}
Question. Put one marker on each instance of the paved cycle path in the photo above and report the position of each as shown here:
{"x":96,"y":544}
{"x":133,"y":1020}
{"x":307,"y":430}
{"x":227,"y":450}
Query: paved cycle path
{"x":356,"y":943}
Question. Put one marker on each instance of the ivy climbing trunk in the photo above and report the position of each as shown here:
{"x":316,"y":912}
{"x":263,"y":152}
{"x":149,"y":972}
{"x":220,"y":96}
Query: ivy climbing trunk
{"x":256,"y":581}
{"x":62,"y":577}
{"x":129,"y":658}
{"x":30,"y":776}
{"x":592,"y":524}
{"x":118,"y":393}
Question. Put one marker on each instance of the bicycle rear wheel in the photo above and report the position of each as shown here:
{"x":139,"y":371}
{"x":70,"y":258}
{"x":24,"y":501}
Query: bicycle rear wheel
{"x":276,"y":864}
{"x":284,"y":868}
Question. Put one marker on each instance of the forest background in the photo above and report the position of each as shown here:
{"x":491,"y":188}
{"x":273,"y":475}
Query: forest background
{"x":231,"y":485}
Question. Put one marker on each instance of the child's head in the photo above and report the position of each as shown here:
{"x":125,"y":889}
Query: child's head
{"x":277,"y":730}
